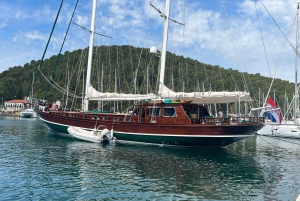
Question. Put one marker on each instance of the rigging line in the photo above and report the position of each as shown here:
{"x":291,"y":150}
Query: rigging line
{"x":59,"y":54}
{"x":279,"y":61}
{"x":239,"y":52}
{"x":80,"y":69}
{"x":205,"y":73}
{"x":234,"y":49}
{"x":217,"y":47}
{"x":268,"y":142}
{"x":262,"y":39}
{"x":110,"y":68}
{"x":231,"y":34}
{"x":173,"y":59}
{"x":181,"y":68}
{"x":55,"y":85}
{"x":291,"y":104}
{"x":68,"y":59}
{"x":184,"y":47}
{"x":109,"y":49}
{"x":129,"y":82}
{"x":90,"y":31}
{"x":286,"y":38}
{"x":163,"y":15}
{"x":132,"y":69}
{"x":242,"y":58}
{"x":42,"y":59}
{"x":115,"y":77}
{"x":277,"y":138}
{"x":138,"y":66}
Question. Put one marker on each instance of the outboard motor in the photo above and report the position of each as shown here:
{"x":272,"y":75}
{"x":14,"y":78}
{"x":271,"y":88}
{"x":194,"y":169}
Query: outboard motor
{"x":106,"y":135}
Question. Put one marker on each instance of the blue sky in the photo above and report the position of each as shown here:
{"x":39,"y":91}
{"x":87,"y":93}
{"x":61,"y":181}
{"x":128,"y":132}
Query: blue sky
{"x":218,"y":32}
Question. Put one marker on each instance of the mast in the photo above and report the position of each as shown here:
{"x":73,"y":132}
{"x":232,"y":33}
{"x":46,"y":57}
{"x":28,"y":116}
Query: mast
{"x":88,"y":74}
{"x":31,"y":98}
{"x":164,"y":49}
{"x":296,"y":65}
{"x":258,"y":96}
{"x":102,"y":86}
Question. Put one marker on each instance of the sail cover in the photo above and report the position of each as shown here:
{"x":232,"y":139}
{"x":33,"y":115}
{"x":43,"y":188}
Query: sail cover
{"x":93,"y":94}
{"x":207,"y":97}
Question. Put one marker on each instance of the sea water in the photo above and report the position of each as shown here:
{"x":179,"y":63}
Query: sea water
{"x":37,"y":164}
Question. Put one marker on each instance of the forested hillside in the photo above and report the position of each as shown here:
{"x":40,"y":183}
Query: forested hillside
{"x":127,"y":64}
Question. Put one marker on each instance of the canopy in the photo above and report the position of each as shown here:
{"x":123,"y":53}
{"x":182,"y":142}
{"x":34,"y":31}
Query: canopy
{"x":207,"y":97}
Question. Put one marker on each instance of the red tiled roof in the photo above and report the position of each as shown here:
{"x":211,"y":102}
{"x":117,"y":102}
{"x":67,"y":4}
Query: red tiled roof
{"x":15,"y":101}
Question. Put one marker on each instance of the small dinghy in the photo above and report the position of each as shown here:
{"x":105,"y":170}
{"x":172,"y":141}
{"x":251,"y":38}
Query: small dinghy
{"x":94,"y":135}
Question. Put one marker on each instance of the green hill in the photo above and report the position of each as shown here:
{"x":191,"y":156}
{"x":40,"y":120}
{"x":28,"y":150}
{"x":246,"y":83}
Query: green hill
{"x":124,"y":62}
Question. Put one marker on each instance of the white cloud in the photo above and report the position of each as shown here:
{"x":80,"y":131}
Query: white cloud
{"x":3,"y":24}
{"x":35,"y":35}
{"x":210,"y":35}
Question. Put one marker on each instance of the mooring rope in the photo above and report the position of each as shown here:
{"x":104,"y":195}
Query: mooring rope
{"x":279,"y":140}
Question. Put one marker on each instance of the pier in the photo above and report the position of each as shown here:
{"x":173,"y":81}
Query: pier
{"x":10,"y":115}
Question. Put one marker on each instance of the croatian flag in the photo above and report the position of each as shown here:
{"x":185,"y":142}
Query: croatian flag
{"x":273,"y":113}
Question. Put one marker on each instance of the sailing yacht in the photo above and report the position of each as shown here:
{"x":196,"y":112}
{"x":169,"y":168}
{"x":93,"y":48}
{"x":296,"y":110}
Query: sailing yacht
{"x":276,"y":127}
{"x":166,"y":118}
{"x":287,"y":130}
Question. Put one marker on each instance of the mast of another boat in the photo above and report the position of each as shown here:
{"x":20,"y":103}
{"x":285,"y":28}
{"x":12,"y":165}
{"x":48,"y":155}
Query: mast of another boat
{"x":296,"y":66}
{"x":31,"y":90}
{"x":88,"y":74}
{"x":102,"y":86}
{"x":164,"y":50}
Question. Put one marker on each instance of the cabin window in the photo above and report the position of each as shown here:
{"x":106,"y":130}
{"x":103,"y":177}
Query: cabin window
{"x":194,"y":113}
{"x":104,"y":118}
{"x":187,"y":111}
{"x":155,"y":111}
{"x":136,"y":112}
{"x":127,"y":119}
{"x":116,"y":118}
{"x":84,"y":116}
{"x":95,"y":118}
{"x":169,"y":112}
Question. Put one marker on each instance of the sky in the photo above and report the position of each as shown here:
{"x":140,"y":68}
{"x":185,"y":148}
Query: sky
{"x":246,"y":35}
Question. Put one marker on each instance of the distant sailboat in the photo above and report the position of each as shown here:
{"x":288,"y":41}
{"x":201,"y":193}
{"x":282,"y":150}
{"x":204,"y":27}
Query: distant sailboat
{"x":286,"y":130}
{"x":166,"y":118}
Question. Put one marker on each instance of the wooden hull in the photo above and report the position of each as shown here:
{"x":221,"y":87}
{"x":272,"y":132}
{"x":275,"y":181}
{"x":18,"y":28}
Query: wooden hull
{"x":192,"y":135}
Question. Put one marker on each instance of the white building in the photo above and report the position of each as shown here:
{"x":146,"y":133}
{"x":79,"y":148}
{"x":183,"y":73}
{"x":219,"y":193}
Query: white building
{"x":14,"y":105}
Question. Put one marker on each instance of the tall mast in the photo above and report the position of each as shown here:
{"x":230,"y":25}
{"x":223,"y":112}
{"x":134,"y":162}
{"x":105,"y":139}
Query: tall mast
{"x":88,"y":74}
{"x":296,"y":66}
{"x":164,"y":49}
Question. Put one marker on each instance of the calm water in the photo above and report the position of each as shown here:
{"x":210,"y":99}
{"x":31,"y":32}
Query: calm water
{"x":37,"y":164}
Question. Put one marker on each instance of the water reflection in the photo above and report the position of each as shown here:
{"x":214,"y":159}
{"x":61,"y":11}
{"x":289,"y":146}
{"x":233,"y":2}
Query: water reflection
{"x":38,"y":164}
{"x":202,"y":173}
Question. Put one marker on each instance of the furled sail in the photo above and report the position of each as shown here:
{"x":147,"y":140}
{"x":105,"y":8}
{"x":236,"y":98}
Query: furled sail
{"x":93,"y":94}
{"x":207,"y":97}
{"x":196,"y":97}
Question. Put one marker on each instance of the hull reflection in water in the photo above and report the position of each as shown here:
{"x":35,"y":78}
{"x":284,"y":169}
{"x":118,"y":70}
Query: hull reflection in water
{"x":40,"y":164}
{"x":184,"y":173}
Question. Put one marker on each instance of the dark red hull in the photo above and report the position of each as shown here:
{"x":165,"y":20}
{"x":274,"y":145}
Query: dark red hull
{"x":188,"y":134}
